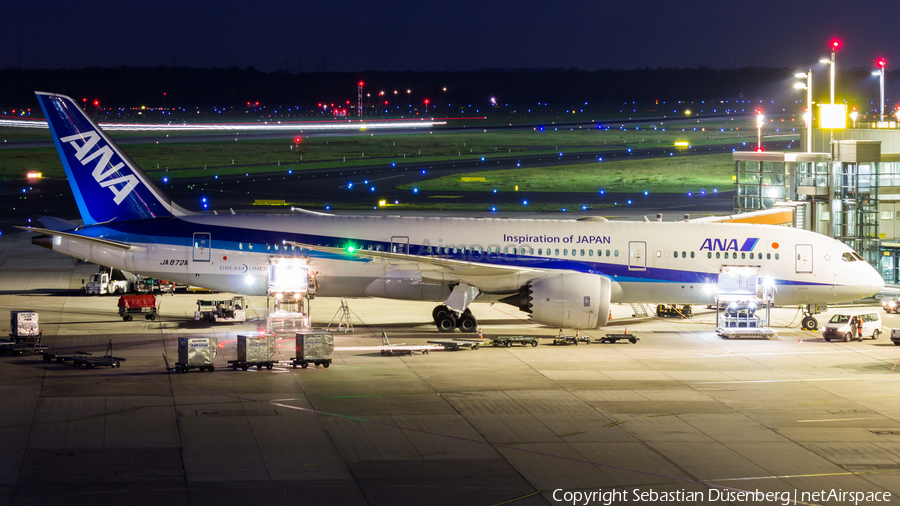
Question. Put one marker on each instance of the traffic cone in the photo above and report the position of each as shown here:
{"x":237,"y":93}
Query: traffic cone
{"x":480,"y":336}
{"x":610,"y":315}
{"x":577,"y":333}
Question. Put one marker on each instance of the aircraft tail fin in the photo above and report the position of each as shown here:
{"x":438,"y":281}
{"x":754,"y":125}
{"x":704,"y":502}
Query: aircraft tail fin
{"x":108,"y":185}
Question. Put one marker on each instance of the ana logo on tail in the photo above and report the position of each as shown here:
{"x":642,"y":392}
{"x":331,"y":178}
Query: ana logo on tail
{"x":104,"y":170}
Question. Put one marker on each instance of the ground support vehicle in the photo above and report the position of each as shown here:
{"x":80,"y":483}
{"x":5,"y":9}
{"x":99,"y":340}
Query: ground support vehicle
{"x":895,"y":337}
{"x":612,"y":338}
{"x":131,"y":305}
{"x":508,"y":341}
{"x":456,"y":344}
{"x":103,"y":283}
{"x":672,"y":311}
{"x":232,"y":310}
{"x":313,"y":348}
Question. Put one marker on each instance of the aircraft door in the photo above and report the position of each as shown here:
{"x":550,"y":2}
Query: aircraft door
{"x":201,"y":244}
{"x":804,"y":258}
{"x":637,"y":256}
{"x":400,"y":245}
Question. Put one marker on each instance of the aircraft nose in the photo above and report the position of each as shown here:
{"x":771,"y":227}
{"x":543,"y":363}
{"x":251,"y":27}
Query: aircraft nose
{"x":875,"y":283}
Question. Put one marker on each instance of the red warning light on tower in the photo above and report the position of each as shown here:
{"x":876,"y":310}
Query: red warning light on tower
{"x":881,"y":62}
{"x":835,"y":44}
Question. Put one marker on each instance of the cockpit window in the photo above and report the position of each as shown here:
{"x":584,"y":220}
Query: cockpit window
{"x":858,"y":257}
{"x":839,"y":318}
{"x":847,"y":257}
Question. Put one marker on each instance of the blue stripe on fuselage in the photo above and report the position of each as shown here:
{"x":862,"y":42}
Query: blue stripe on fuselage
{"x":177,"y":232}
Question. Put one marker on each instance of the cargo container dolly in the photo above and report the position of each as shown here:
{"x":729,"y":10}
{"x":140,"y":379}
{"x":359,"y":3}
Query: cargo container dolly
{"x":254,"y":351}
{"x":195,"y":353}
{"x":508,"y":341}
{"x":313,"y":348}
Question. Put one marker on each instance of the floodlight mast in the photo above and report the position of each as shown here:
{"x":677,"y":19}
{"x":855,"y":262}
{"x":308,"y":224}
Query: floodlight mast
{"x":808,"y":115}
{"x":759,"y":125}
{"x":880,"y":73}
{"x":835,"y":44}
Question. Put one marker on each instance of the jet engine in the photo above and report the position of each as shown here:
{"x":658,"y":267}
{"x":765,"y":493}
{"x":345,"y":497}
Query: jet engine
{"x":566,"y":300}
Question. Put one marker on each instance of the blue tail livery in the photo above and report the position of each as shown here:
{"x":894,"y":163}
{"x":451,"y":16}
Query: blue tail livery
{"x":108,"y":185}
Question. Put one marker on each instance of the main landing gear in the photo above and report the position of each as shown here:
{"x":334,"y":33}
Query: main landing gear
{"x":447,"y":320}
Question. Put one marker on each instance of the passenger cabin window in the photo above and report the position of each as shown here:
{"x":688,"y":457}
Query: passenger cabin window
{"x":240,"y":245}
{"x":717,"y":254}
{"x":776,"y":256}
{"x":557,"y":252}
{"x":590,"y":252}
{"x":616,"y":252}
{"x":582,"y":252}
{"x":743,"y":256}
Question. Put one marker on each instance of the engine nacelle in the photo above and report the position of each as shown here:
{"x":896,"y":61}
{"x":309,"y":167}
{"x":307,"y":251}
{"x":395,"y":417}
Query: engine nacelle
{"x":566,"y":300}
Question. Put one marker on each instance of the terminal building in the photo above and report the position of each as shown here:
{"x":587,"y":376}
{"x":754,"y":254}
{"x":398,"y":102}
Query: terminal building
{"x":847,"y":186}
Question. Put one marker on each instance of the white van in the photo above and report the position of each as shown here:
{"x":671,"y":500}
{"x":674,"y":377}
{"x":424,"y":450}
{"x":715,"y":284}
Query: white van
{"x":838,"y":327}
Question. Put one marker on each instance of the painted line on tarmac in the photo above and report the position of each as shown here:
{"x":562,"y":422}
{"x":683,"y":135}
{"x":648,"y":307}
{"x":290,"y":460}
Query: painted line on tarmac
{"x":842,"y":419}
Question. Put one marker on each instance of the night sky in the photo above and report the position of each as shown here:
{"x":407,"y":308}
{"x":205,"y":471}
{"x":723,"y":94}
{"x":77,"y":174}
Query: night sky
{"x":352,"y":35}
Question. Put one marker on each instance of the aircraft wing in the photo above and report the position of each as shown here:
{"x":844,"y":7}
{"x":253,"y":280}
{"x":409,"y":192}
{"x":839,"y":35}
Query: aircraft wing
{"x":104,"y":242}
{"x":458,"y":267}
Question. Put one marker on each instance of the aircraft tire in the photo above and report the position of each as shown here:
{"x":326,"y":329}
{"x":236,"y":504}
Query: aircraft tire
{"x":446,"y":322}
{"x":436,"y":312}
{"x":467,"y":323}
{"x":810,"y":323}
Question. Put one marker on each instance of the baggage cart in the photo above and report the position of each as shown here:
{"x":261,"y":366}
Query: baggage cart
{"x":612,"y":338}
{"x":23,"y":325}
{"x":456,"y":344}
{"x":63,"y":357}
{"x":255,"y":350}
{"x":22,"y":347}
{"x":89,"y":361}
{"x":196,"y":353}
{"x":313,"y":348}
{"x":131,"y":305}
{"x":564,"y":339}
{"x":508,"y":341}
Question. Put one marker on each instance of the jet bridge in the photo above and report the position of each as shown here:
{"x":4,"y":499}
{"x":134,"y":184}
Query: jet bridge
{"x":740,"y":298}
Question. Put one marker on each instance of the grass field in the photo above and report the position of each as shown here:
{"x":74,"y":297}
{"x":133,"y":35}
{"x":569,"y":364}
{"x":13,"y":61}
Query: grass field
{"x":655,"y":175}
{"x":211,"y":158}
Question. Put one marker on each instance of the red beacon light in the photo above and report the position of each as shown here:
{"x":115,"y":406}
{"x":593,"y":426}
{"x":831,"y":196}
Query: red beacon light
{"x":835,"y":44}
{"x":297,"y":140}
{"x":881,"y":62}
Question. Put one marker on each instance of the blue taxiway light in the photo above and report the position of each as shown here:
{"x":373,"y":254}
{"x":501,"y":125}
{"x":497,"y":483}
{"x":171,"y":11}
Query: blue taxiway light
{"x":327,"y":207}
{"x":524,"y":202}
{"x":415,"y":190}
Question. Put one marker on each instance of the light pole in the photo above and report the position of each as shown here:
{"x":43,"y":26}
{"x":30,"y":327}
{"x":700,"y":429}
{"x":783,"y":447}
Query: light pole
{"x":880,"y":73}
{"x":759,"y":125}
{"x":808,"y":115}
{"x":853,"y":116}
{"x":835,"y":44}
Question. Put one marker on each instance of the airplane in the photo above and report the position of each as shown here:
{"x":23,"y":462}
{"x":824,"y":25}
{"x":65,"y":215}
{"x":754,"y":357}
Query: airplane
{"x":565,"y":273}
